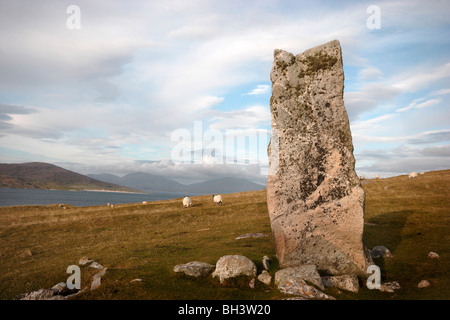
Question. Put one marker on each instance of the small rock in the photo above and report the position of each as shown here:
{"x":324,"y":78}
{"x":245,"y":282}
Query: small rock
{"x":266,"y":262}
{"x":344,"y":282}
{"x":84,"y":261}
{"x":300,"y":288}
{"x":96,"y":265}
{"x":433,"y":255}
{"x":305,"y":272}
{"x":265,"y":278}
{"x":252,"y":235}
{"x":136,"y":280}
{"x":232,"y":266}
{"x":380,"y":252}
{"x":424,"y":284}
{"x":27,"y":253}
{"x":41,"y":294}
{"x":251,"y":284}
{"x":97,"y":279}
{"x":194,"y":268}
{"x":390,"y":286}
{"x":59,"y":288}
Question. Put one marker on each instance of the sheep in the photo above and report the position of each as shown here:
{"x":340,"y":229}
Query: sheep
{"x":412,"y":175}
{"x":187,"y":202}
{"x":361,"y":178}
{"x":377,"y":177}
{"x":217,"y":199}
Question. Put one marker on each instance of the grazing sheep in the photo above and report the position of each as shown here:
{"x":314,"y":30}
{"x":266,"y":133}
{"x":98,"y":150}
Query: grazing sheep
{"x":187,"y":202}
{"x":377,"y":177}
{"x":422,"y":173}
{"x":412,"y":175}
{"x":361,"y":178}
{"x":217,"y":199}
{"x":144,"y":202}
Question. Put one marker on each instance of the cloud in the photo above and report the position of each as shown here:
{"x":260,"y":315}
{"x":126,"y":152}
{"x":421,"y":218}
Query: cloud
{"x":370,"y":72}
{"x":418,"y":104}
{"x":369,"y":97}
{"x":419,"y":79}
{"x":430,"y":137}
{"x":260,"y":89}
{"x":249,"y":117}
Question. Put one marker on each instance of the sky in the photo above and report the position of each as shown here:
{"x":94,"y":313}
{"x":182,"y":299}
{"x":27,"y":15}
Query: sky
{"x":155,"y":86}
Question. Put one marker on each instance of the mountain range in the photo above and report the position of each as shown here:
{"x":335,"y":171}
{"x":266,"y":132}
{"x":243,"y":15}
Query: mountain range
{"x":154,"y":184}
{"x":39,"y":175}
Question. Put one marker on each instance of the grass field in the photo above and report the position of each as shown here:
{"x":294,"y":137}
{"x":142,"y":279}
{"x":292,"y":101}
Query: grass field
{"x":145,"y":241}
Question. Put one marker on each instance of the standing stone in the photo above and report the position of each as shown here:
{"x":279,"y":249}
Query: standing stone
{"x":314,"y":197}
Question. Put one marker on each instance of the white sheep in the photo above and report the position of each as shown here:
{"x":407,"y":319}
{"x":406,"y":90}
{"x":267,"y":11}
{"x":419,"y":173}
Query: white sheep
{"x":377,"y":177}
{"x":187,"y":202}
{"x":217,"y":199}
{"x":412,"y":175}
{"x":361,"y":178}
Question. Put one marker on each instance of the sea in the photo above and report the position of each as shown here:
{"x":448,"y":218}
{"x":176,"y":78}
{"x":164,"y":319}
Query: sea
{"x":18,"y":197}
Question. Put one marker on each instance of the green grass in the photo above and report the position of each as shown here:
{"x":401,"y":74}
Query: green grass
{"x":411,"y":218}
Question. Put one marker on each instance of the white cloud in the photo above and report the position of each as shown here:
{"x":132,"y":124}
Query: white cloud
{"x":260,"y":89}
{"x":418,"y":104}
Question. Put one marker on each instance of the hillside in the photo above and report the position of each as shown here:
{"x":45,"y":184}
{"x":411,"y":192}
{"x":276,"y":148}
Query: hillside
{"x":145,"y":241}
{"x":38,"y":175}
{"x":155,"y":183}
{"x":224,"y":185}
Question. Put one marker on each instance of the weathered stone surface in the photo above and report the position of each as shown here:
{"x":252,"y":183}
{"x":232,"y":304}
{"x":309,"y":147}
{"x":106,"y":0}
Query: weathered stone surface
{"x":300,"y":288}
{"x":232,"y":266}
{"x":423,"y":284}
{"x":41,"y":294}
{"x":305,"y":272}
{"x":380,"y":252}
{"x":194,"y":268}
{"x":59,"y":288}
{"x":96,"y":265}
{"x":390,"y":286}
{"x":347,"y":282}
{"x":265,"y":278}
{"x":314,"y":197}
{"x":84,"y":261}
{"x":97,"y":279}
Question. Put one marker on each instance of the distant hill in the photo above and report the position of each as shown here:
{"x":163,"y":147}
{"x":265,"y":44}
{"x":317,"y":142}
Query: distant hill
{"x":39,"y":175}
{"x":224,"y":185}
{"x":154,"y":183}
{"x":142,"y":181}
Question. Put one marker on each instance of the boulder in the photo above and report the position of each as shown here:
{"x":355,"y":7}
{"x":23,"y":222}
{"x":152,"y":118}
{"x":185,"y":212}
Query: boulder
{"x":231,"y":266}
{"x":344,"y":282}
{"x":194,"y":269}
{"x":305,"y":272}
{"x":300,"y":288}
{"x":314,"y":196}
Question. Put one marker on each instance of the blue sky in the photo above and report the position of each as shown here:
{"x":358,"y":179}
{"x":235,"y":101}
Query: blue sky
{"x":109,"y":96}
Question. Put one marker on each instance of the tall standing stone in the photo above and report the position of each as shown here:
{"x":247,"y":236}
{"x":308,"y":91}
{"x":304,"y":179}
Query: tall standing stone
{"x":314,"y":197}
